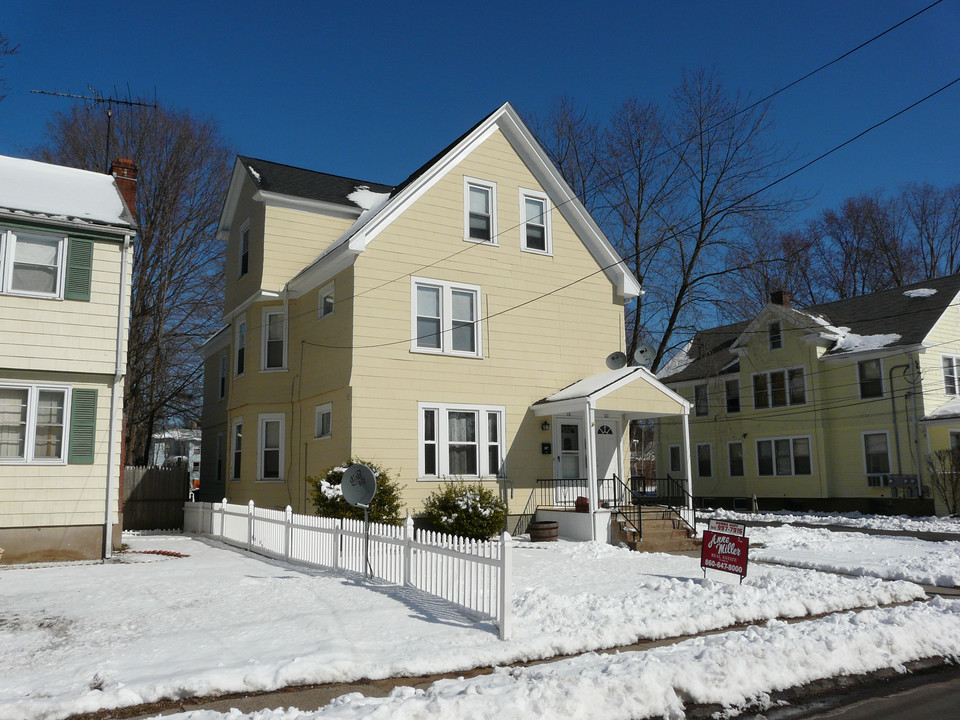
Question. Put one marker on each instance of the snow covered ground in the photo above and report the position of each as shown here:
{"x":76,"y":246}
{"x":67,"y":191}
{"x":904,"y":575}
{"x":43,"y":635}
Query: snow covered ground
{"x":852,"y":520}
{"x":882,"y":556}
{"x":79,"y":637}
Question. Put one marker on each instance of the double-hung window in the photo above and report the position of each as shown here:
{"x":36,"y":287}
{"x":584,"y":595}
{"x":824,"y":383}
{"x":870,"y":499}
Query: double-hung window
{"x":704,"y":460}
{"x":270,"y":455}
{"x":274,"y":333}
{"x":951,"y":374}
{"x":779,"y":388}
{"x":237,"y":449}
{"x":701,"y":403}
{"x":735,"y":455}
{"x":676,"y":462}
{"x":33,"y":423}
{"x":775,"y":335}
{"x":732,"y":388}
{"x":244,"y":264}
{"x":445,"y":318}
{"x":241,"y":345}
{"x":460,"y":441}
{"x":784,"y":456}
{"x":480,"y":211}
{"x":323,"y":421}
{"x":535,"y":225}
{"x":222,"y":384}
{"x":871,"y":379}
{"x":32,"y":263}
{"x":876,"y":453}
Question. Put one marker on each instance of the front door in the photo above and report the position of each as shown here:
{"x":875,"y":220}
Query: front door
{"x":608,"y":459}
{"x":569,"y":469}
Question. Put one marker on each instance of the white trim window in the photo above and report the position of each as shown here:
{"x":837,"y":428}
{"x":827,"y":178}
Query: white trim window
{"x":237,"y":451}
{"x":535,"y":231}
{"x":33,"y":424}
{"x":445,"y":318}
{"x":876,"y":453}
{"x":325,"y":301}
{"x":270,"y":446}
{"x":241,"y":346}
{"x":222,"y":381}
{"x":775,"y":335}
{"x":273,"y":352}
{"x":479,"y":211}
{"x":735,"y":458}
{"x":704,"y":460}
{"x":323,"y":421}
{"x":221,"y":451}
{"x":32,"y":263}
{"x":676,"y":461}
{"x":243,"y":258}
{"x":701,"y":401}
{"x":460,"y":440}
{"x":951,"y":374}
{"x":870,"y":375}
{"x":779,"y":388}
{"x":732,"y":391}
{"x":784,"y":456}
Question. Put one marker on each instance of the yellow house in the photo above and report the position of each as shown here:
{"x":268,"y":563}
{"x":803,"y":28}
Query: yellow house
{"x":831,"y":407}
{"x":423,"y":326}
{"x":65,"y":261}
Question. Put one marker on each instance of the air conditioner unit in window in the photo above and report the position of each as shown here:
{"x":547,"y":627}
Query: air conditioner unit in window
{"x":877,"y":480}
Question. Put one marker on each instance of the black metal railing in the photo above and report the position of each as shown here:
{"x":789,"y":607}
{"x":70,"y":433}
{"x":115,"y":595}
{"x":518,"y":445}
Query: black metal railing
{"x":664,"y":492}
{"x":526,"y":515}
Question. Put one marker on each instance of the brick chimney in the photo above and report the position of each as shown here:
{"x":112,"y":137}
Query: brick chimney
{"x":125,"y":172}
{"x":781,"y":297}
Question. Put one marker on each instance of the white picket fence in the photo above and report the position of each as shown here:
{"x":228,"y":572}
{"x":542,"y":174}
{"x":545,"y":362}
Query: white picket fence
{"x":473,"y":574}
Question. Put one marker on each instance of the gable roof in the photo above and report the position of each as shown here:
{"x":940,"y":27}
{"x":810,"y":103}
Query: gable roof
{"x":898,"y":318}
{"x":41,"y":191}
{"x":378,"y":212}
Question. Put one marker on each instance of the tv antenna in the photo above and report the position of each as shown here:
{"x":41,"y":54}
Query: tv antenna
{"x":99,"y":99}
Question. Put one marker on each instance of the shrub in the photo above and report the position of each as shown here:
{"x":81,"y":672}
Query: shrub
{"x":460,"y":508}
{"x":327,"y":496}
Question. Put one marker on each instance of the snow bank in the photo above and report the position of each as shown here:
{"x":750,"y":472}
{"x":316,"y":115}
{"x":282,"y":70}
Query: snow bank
{"x":853,"y":519}
{"x":734,"y":669}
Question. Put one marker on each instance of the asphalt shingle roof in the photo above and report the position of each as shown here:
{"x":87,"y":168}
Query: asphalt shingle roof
{"x":884,"y":312}
{"x":309,"y":184}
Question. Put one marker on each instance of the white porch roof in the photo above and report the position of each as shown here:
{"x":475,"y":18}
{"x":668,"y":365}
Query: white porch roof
{"x":633,"y":391}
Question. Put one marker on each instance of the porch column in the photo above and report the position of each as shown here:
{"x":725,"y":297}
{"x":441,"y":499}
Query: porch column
{"x":686,"y":455}
{"x":592,"y":495}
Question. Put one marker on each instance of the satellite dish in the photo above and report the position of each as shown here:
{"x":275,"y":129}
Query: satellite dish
{"x":643,"y":355}
{"x":359,"y":485}
{"x":616,"y":360}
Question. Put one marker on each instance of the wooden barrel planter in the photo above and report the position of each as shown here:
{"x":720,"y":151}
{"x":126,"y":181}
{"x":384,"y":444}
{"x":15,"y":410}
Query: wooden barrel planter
{"x":543,"y":530}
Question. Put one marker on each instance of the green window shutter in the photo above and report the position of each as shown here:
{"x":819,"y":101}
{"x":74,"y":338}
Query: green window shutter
{"x":79,"y":269}
{"x":83,"y":426}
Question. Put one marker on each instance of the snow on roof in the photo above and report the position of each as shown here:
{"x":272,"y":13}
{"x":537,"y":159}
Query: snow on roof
{"x":920,"y":292}
{"x":849,"y":342}
{"x":951,"y":408}
{"x":364,"y":197}
{"x":62,"y":193}
{"x":590,"y":385}
{"x":680,"y":360}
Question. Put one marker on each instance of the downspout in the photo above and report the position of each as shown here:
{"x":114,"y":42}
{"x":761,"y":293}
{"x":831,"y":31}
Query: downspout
{"x":893,"y":411}
{"x":118,"y":373}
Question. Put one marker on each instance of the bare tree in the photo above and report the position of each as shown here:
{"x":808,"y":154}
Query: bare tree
{"x":944,"y":467}
{"x":178,"y":262}
{"x":933,"y":219}
{"x":6,"y":49}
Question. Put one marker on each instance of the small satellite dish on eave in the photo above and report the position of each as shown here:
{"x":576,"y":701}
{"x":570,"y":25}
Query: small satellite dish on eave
{"x":643,"y":355}
{"x":616,"y":360}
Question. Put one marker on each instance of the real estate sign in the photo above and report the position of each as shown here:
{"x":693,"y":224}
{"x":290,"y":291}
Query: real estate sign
{"x":725,"y":552}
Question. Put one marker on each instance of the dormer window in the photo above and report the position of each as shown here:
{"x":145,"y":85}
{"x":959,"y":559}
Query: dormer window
{"x":480,"y":211}
{"x":775,"y":336}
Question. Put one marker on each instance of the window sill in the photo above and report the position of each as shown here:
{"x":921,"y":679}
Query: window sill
{"x":271,"y":481}
{"x":274,"y":370}
{"x":438,"y":353}
{"x":478,"y":241}
{"x":544,"y":253}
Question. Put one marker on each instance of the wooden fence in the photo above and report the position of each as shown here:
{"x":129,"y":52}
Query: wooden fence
{"x":476,"y":575}
{"x":153,"y":497}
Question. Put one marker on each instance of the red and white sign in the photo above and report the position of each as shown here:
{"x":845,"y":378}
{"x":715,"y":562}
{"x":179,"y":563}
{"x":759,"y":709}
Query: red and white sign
{"x":728,"y":528}
{"x":724,"y":552}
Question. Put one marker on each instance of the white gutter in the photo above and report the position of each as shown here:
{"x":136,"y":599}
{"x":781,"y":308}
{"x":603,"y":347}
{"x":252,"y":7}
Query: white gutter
{"x":118,"y":373}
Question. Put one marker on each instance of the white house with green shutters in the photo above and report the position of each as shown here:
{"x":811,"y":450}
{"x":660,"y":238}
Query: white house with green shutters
{"x":65,"y":267}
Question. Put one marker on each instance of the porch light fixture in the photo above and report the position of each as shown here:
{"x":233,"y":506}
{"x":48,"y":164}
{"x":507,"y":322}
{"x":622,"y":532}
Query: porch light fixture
{"x":545,"y":425}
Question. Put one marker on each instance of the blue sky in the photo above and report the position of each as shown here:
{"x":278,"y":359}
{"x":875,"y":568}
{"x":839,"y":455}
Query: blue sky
{"x":372,"y":90}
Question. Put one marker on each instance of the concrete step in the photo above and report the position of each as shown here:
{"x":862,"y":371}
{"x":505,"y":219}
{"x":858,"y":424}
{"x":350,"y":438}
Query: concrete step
{"x":674,"y":545}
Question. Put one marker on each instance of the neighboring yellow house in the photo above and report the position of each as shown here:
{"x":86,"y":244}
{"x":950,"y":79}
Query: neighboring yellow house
{"x":419,"y":327}
{"x":65,"y":261}
{"x":833,"y":407}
